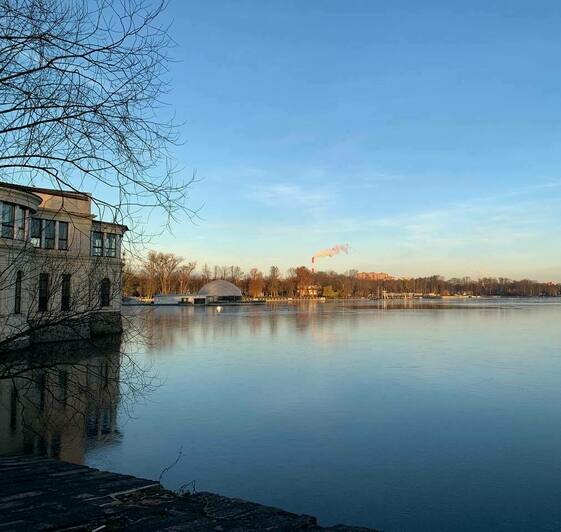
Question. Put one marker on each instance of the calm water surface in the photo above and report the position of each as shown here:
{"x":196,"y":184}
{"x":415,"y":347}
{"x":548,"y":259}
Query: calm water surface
{"x":445,"y":416}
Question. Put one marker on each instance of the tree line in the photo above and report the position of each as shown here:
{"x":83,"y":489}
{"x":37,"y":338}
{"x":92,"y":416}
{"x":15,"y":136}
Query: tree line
{"x":167,"y":273}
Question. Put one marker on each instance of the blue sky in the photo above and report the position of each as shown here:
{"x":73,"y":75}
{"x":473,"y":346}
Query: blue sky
{"x":424,"y":134}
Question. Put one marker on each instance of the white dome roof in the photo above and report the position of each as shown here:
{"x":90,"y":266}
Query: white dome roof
{"x":220,"y":288}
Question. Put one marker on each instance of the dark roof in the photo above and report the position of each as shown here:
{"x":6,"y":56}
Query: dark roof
{"x":52,"y":191}
{"x":110,"y":223}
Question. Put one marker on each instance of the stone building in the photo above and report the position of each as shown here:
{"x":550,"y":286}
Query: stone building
{"x":309,"y":290}
{"x":60,"y":268}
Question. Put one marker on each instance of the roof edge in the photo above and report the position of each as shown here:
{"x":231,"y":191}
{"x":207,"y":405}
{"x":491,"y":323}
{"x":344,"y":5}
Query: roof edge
{"x":52,"y":191}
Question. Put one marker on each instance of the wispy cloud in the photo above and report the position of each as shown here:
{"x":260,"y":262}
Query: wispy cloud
{"x":288,"y":194}
{"x":513,"y":233}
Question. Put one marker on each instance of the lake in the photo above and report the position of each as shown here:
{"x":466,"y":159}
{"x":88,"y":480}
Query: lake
{"x":441,"y":415}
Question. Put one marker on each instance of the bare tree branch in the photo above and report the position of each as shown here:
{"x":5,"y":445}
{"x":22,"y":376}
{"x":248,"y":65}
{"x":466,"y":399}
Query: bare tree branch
{"x":81,"y":104}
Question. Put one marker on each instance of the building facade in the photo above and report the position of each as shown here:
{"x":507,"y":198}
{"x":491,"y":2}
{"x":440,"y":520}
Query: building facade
{"x":60,"y":268}
{"x":374,"y":276}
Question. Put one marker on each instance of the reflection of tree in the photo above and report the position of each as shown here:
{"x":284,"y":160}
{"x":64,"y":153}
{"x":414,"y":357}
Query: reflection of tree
{"x":273,"y":321}
{"x":167,"y":327}
{"x":164,"y":326}
{"x":255,"y":324}
{"x":56,"y":400}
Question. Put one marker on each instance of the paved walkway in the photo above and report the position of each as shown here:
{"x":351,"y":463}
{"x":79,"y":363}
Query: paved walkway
{"x":44,"y":494}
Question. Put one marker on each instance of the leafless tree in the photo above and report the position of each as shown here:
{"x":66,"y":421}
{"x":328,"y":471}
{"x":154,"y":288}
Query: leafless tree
{"x":233,"y":273}
{"x":167,"y":266}
{"x":256,"y":283}
{"x":331,"y":284}
{"x":82,"y":88}
{"x":160,"y":269}
{"x":184,"y":276}
{"x":206,"y":274}
{"x":81,"y":104}
{"x":273,"y":281}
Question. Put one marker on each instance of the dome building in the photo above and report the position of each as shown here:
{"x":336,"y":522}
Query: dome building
{"x":220,"y":291}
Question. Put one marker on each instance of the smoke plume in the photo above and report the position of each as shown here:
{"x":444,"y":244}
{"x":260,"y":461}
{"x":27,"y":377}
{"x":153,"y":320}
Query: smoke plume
{"x":331,"y":252}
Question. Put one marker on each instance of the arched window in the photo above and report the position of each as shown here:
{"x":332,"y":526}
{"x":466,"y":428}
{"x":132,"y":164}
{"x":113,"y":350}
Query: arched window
{"x":105,"y":293}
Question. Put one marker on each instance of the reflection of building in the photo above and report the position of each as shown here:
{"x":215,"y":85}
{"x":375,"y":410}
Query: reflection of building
{"x":374,"y":276}
{"x":57,"y":406}
{"x":56,"y":262}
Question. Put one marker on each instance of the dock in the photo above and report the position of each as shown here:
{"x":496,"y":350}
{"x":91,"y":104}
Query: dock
{"x":45,"y":494}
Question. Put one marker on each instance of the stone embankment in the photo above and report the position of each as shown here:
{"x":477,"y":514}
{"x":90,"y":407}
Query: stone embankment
{"x":45,"y":494}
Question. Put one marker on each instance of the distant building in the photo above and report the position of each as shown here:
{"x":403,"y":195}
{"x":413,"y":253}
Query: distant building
{"x":61,"y":268}
{"x":178,"y":299}
{"x":374,"y":276}
{"x":170,"y":299}
{"x":220,"y":291}
{"x":311,"y":290}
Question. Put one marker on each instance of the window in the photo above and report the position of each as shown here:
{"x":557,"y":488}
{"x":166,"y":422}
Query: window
{"x":49,"y":234}
{"x":17,"y":298}
{"x":8,"y":219}
{"x":105,"y":293}
{"x":65,"y":292}
{"x":36,"y":231}
{"x":97,"y":243}
{"x":20,"y":223}
{"x":111,"y":243}
{"x":44,"y":292}
{"x":63,"y":235}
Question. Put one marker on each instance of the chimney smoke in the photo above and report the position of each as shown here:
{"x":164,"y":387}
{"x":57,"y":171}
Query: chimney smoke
{"x":330,"y":252}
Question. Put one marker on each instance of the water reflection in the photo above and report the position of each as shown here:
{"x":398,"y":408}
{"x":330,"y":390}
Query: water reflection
{"x":397,"y":415}
{"x":401,"y":415}
{"x":60,"y":399}
{"x":169,"y":326}
{"x":166,"y":327}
